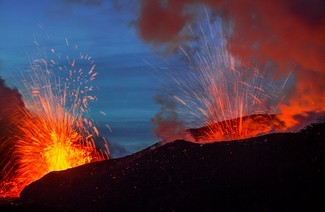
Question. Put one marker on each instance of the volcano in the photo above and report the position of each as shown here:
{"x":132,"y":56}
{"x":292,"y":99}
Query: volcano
{"x":274,"y":172}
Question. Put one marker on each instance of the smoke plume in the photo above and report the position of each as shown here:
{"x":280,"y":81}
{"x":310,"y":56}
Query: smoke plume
{"x":290,"y":33}
{"x":11,"y":105}
{"x":168,"y":126}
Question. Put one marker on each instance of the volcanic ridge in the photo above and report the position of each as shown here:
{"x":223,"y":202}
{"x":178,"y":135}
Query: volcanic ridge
{"x":274,"y":172}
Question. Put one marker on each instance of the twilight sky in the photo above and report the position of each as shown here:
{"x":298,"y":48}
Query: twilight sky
{"x":127,"y":67}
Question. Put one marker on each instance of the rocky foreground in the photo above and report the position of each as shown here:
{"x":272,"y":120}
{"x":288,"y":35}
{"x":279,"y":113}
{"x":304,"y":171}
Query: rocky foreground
{"x":276,"y":172}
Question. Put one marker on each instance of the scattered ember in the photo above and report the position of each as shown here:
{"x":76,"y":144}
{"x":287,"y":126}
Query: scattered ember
{"x":53,"y":132}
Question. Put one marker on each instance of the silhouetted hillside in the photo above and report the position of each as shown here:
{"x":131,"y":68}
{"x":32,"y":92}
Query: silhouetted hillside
{"x":276,"y":172}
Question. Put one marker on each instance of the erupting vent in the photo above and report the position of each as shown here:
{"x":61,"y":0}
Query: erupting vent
{"x":53,"y":132}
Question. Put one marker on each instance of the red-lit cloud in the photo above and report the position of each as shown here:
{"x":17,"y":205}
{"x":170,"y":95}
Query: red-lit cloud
{"x":290,"y":33}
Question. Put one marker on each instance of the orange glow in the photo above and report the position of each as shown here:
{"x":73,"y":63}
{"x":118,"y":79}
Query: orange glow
{"x":231,"y":100}
{"x":54,"y":132}
{"x":236,"y":129}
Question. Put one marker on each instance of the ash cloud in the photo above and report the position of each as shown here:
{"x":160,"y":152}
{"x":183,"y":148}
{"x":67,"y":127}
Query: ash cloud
{"x":11,"y":103}
{"x":289,"y":33}
{"x":168,"y":127}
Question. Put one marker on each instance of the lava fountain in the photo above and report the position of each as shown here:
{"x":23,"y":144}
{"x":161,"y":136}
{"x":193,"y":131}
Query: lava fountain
{"x":53,"y":132}
{"x":230,"y":99}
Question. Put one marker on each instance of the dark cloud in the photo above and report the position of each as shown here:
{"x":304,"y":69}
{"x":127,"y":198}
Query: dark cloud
{"x":11,"y":101}
{"x":11,"y":105}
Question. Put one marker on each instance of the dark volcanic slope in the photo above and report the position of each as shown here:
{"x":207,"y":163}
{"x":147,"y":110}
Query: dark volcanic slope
{"x":278,"y":172}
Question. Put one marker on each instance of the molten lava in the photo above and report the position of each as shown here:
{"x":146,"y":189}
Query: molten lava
{"x":53,"y":132}
{"x":48,"y":143}
{"x":236,"y":129}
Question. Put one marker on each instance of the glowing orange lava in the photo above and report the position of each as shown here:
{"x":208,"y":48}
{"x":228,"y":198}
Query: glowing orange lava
{"x":236,"y":129}
{"x":53,"y":132}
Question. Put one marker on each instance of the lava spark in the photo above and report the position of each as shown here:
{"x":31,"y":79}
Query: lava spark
{"x":53,"y":131}
{"x":231,"y":99}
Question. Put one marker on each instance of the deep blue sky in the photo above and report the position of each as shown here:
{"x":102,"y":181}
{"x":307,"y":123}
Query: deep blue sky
{"x":128,"y":69}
